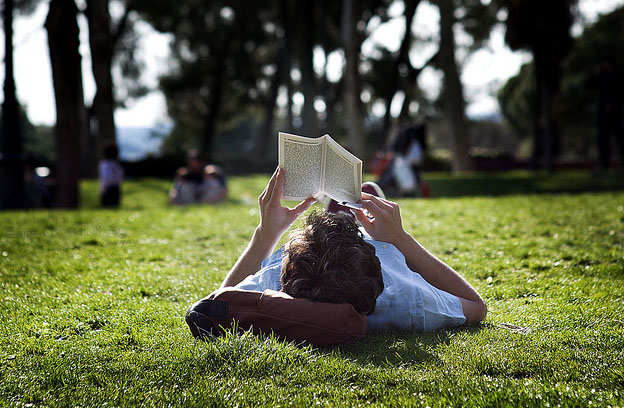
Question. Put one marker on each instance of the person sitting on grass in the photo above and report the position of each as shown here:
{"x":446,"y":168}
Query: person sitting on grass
{"x":198,"y":184}
{"x":379,"y":268}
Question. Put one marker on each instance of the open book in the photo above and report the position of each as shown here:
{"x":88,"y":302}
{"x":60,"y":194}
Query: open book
{"x":319,"y":167}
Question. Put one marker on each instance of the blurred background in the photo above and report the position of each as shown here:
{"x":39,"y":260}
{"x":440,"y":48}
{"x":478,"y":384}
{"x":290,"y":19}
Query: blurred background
{"x":499,"y":84}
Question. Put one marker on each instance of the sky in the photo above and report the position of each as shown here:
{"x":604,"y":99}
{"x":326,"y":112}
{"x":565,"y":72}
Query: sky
{"x":483,"y":72}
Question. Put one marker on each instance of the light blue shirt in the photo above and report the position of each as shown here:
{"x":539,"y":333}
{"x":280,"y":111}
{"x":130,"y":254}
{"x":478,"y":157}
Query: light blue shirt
{"x":408,"y":301}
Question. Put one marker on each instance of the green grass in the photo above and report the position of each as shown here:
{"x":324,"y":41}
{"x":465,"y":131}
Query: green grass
{"x":92,"y":304}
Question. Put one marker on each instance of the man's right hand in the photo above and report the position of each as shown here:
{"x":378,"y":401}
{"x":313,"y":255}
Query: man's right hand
{"x":385,"y":224}
{"x":275,"y":219}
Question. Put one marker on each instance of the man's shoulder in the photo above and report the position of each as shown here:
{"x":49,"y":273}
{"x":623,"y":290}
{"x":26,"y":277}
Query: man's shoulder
{"x":384,"y":249}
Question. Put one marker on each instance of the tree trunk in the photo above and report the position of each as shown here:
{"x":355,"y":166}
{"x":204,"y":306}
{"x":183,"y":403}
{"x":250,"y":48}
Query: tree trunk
{"x":214,"y":108}
{"x":267,"y":136}
{"x":546,"y":135}
{"x":393,"y":81}
{"x":307,"y":26}
{"x":102,"y":121}
{"x":286,"y":17}
{"x":353,"y":103}
{"x":454,"y":101}
{"x":325,"y":117}
{"x":70,"y":129}
{"x":11,"y":160}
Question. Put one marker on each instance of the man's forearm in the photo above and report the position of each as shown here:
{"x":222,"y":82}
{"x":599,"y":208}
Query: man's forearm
{"x":260,"y":247}
{"x":436,"y":272}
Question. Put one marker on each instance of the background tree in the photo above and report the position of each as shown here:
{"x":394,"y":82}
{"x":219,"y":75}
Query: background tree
{"x":576,"y":103}
{"x":476,"y":19}
{"x":400,"y":63}
{"x":355,"y":19}
{"x":112,"y":43}
{"x":216,"y":73}
{"x":11,"y":162}
{"x":452,"y":91}
{"x":11,"y":132}
{"x":543,"y":27}
{"x":71,"y":126}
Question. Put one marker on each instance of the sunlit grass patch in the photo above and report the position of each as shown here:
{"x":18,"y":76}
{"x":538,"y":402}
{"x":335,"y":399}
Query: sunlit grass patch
{"x":92,"y":306}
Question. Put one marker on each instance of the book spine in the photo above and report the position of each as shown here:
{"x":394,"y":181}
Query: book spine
{"x":324,"y":149}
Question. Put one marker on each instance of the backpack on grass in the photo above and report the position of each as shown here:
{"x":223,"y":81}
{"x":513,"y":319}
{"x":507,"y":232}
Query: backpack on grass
{"x":291,"y":319}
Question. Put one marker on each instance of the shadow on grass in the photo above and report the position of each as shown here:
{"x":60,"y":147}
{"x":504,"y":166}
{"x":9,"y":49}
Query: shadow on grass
{"x":498,"y":184}
{"x":402,"y":349}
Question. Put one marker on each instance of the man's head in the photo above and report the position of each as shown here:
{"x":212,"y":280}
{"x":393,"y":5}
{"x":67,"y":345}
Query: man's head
{"x":328,"y":261}
{"x":194,"y":161}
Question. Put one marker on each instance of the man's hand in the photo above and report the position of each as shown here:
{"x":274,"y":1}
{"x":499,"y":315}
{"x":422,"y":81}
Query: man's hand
{"x":385,"y":224}
{"x":274,"y":221}
{"x":274,"y":218}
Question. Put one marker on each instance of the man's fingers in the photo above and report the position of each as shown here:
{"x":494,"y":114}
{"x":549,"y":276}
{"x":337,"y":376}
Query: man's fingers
{"x":278,"y":187}
{"x":270,"y":187}
{"x":373,"y":208}
{"x":363,"y":219}
{"x":381,"y":202}
{"x":266,"y":188}
{"x":304,"y":205}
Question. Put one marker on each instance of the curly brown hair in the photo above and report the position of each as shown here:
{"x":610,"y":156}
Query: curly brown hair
{"x":328,"y":260}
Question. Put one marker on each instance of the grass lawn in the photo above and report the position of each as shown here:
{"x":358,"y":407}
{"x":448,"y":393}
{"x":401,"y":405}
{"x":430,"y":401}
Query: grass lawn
{"x":92,"y":304}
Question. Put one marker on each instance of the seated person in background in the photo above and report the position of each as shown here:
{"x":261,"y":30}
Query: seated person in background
{"x":379,"y":268}
{"x":198,"y":184}
{"x":111,"y":175}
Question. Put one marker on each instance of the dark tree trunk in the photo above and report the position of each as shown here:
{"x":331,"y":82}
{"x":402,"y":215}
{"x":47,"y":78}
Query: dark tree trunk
{"x":63,"y":42}
{"x":412,"y":77}
{"x":546,"y":135}
{"x":267,"y":136}
{"x":11,"y":160}
{"x":307,"y":26}
{"x":102,"y":121}
{"x":353,"y":103}
{"x":454,"y":101}
{"x":286,"y":14}
{"x":393,"y":80}
{"x":214,"y":108}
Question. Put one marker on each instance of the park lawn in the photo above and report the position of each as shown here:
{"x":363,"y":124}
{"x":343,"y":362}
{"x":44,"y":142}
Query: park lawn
{"x":92,"y":304}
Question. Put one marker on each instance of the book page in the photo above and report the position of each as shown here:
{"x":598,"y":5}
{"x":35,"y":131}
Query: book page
{"x":301,"y":159}
{"x":343,"y":173}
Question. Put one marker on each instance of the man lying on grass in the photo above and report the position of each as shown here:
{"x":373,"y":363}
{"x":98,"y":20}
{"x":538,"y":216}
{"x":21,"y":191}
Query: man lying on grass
{"x":379,"y":268}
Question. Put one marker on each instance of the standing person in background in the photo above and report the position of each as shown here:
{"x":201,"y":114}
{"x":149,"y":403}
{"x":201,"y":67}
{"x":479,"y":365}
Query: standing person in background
{"x":110,"y":175}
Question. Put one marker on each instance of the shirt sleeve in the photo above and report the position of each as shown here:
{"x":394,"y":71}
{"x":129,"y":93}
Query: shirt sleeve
{"x":266,"y":278}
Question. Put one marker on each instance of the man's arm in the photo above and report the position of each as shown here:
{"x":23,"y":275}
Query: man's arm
{"x":386,"y":225}
{"x":274,"y":222}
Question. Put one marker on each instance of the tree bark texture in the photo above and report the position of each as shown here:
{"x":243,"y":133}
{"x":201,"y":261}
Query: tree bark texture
{"x":353,"y":102}
{"x":266,"y":138}
{"x":70,"y":128}
{"x":214,"y":107}
{"x":453,"y":93}
{"x":286,"y":17}
{"x":307,"y":26}
{"x":101,"y":120}
{"x":11,"y":160}
{"x":393,"y":81}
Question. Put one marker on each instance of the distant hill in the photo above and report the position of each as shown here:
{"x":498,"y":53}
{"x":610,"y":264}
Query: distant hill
{"x":136,"y":143}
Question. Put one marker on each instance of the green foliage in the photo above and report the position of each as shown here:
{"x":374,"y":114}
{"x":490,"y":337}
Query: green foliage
{"x":93,"y":303}
{"x":516,"y":101}
{"x":579,"y":96}
{"x":477,"y":20}
{"x":40,"y":144}
{"x":575,"y":104}
{"x":218,"y":60}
